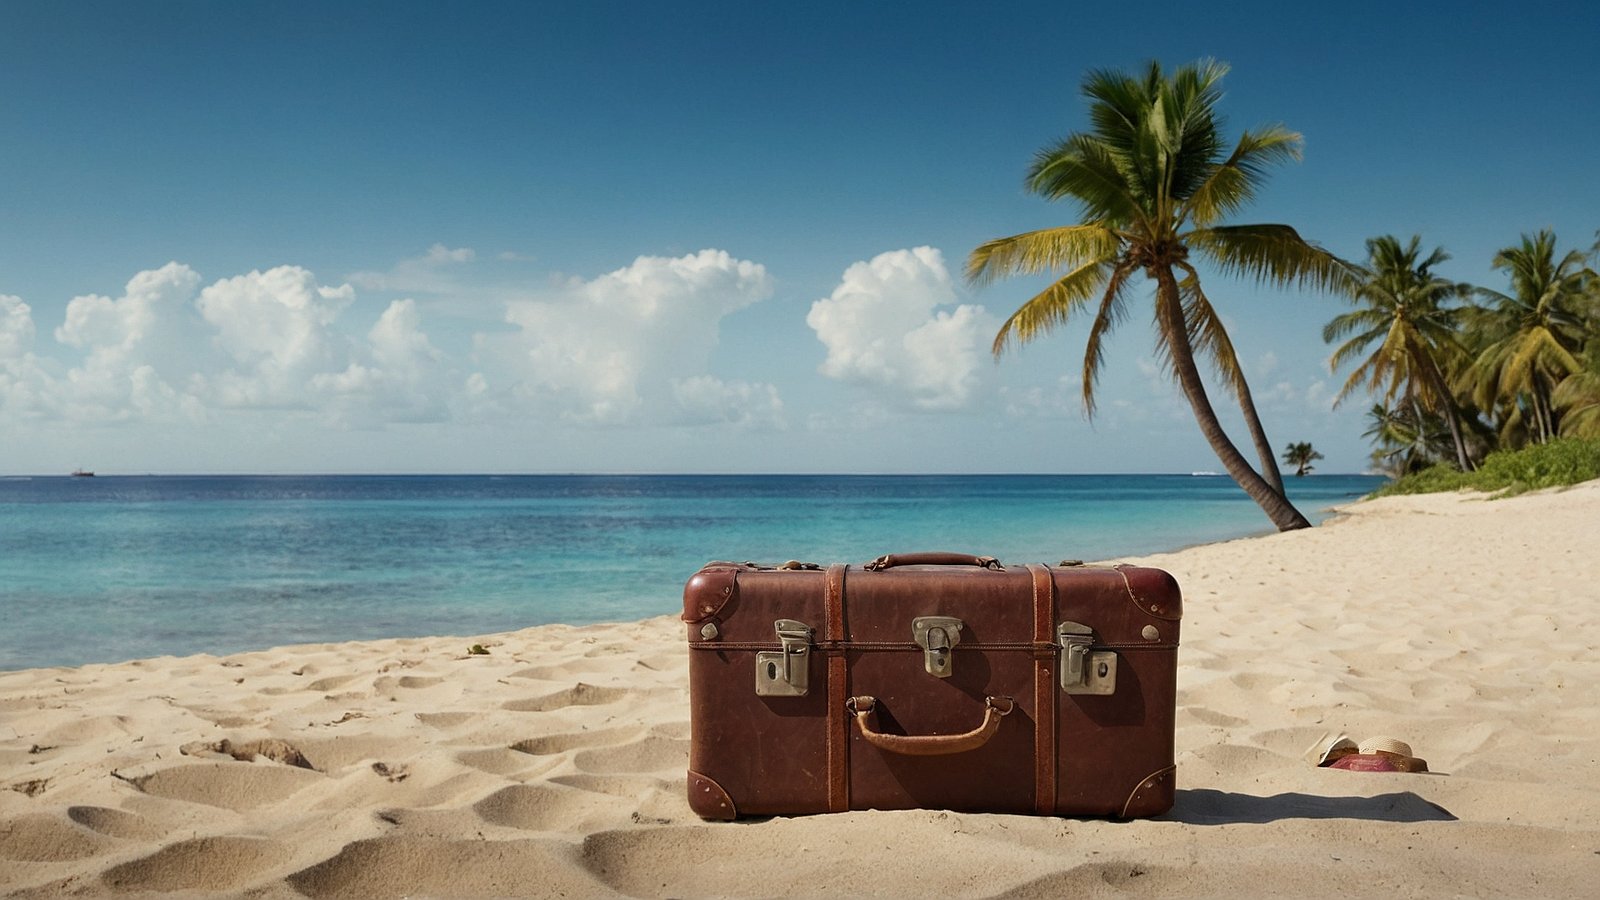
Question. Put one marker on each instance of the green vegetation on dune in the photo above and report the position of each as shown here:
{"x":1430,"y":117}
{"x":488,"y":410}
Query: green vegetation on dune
{"x":1558,"y":463}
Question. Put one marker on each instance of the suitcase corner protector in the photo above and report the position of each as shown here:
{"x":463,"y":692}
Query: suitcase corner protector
{"x":1152,"y":796}
{"x":709,"y":800}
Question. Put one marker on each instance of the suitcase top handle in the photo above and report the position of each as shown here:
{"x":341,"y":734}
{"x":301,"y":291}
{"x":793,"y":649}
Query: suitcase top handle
{"x":864,"y":709}
{"x":891,"y":560}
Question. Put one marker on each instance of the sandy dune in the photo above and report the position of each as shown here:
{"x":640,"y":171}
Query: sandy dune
{"x":555,"y":765}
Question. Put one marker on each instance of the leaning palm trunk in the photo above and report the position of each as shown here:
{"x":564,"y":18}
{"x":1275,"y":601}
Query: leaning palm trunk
{"x":1541,"y":404}
{"x":1269,"y":463}
{"x":1170,"y":313}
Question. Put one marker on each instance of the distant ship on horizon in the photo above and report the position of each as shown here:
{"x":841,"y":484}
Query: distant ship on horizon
{"x":82,"y":473}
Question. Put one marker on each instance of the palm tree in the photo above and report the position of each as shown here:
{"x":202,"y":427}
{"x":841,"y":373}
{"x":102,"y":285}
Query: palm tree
{"x":1154,"y":180}
{"x":1300,"y":455}
{"x":1404,"y":442}
{"x":1401,"y":309}
{"x":1577,"y":397}
{"x":1534,"y":333}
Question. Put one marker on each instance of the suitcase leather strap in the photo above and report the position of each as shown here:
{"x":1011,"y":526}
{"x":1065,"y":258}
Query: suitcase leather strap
{"x":1044,"y":692}
{"x":838,"y":689}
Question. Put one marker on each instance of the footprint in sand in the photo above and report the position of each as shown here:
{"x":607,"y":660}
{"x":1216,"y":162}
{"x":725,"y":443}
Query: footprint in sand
{"x":389,"y":683}
{"x":628,"y":786}
{"x":334,"y":753}
{"x":332,"y":682}
{"x":228,"y":785}
{"x":445,"y":721}
{"x":115,"y":822}
{"x":394,"y":866}
{"x":507,"y":761}
{"x":653,"y":755}
{"x":203,"y":864}
{"x":551,"y":807}
{"x":41,"y":837}
{"x":549,"y":744}
{"x":578,"y":695}
{"x":544,"y":673}
{"x":86,"y":730}
{"x":1208,"y":717}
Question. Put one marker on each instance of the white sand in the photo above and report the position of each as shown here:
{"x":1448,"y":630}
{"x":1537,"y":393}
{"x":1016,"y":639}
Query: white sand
{"x":555,"y":765}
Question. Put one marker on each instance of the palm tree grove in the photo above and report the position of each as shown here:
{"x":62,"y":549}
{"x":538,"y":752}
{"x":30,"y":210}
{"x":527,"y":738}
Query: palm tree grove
{"x":1458,"y":371}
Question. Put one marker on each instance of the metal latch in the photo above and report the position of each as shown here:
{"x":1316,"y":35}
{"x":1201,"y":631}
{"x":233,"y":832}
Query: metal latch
{"x":1085,"y":671}
{"x":786,"y":672}
{"x":937,"y":636}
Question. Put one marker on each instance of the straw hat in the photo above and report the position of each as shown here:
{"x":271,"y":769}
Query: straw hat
{"x":1375,"y":754}
{"x":1340,"y":748}
{"x":1384,"y":745}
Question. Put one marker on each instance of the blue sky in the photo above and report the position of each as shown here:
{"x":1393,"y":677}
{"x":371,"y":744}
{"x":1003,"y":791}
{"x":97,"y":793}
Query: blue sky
{"x":640,"y":237}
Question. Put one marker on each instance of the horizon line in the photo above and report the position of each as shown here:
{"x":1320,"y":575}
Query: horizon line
{"x":652,"y":474}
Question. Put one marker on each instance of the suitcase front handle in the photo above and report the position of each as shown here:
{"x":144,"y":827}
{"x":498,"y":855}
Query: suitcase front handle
{"x":891,"y":560}
{"x":996,"y":708}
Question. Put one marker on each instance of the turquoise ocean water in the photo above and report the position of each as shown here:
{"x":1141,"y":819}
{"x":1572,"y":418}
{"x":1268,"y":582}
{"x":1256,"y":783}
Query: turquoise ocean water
{"x":112,"y":568}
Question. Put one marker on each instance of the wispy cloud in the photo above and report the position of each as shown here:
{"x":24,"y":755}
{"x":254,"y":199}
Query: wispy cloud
{"x":430,"y":273}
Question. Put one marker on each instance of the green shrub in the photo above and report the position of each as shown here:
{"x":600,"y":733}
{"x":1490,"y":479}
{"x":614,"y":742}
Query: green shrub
{"x":1428,"y":481}
{"x":1560,"y":462}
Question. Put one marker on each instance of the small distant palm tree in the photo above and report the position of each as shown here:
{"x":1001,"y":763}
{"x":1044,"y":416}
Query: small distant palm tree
{"x":1401,"y":309}
{"x":1155,"y":179}
{"x":1300,"y":455}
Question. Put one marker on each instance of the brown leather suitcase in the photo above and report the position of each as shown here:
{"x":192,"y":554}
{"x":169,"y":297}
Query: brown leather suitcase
{"x":931,"y":680}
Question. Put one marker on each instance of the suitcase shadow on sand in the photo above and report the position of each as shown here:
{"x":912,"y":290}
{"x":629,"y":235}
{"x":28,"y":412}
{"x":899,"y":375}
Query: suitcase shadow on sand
{"x":1208,"y":807}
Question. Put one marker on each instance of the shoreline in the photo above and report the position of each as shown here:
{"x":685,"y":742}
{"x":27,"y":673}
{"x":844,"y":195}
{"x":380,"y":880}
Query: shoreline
{"x":558,"y":759}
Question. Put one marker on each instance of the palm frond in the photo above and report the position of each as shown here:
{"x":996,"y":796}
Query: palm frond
{"x":1053,"y":306}
{"x":1045,"y":250}
{"x":1111,"y":313}
{"x":1345,"y":323}
{"x":1578,"y":398}
{"x":1085,"y":169}
{"x":1272,"y":254}
{"x":1233,"y":184}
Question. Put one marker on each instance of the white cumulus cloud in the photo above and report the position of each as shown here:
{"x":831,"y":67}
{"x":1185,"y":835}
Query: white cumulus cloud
{"x":134,"y":351}
{"x":399,"y":376}
{"x":16,"y":327}
{"x":274,"y":325}
{"x":884,"y":326}
{"x":629,"y":345}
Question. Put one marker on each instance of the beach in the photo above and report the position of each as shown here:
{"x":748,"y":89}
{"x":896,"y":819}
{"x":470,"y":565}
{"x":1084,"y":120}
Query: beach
{"x":554,"y":764}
